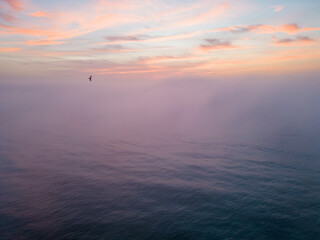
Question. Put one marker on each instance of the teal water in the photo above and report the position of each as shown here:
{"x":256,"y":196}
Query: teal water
{"x":160,"y":161}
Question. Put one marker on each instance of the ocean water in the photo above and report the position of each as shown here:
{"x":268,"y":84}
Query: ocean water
{"x":166,"y":160}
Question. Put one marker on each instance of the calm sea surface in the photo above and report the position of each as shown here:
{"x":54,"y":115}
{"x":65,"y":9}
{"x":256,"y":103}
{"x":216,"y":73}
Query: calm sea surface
{"x":160,"y":161}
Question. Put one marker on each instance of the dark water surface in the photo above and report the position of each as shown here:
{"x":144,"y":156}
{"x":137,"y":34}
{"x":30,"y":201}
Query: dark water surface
{"x":160,"y":162}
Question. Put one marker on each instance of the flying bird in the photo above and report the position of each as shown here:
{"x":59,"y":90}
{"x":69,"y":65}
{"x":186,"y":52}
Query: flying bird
{"x":90,"y":78}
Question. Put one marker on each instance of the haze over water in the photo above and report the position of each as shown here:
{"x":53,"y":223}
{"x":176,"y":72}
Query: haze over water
{"x":201,"y":120}
{"x":178,"y":159}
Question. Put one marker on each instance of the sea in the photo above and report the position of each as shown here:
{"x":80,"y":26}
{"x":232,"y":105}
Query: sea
{"x":160,"y":159}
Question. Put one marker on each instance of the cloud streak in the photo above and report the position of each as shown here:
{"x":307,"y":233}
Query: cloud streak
{"x":116,"y":48}
{"x":61,"y":25}
{"x":148,"y":38}
{"x":40,"y":14}
{"x":9,"y":49}
{"x":7,"y":17}
{"x":126,"y":38}
{"x":216,"y":44}
{"x":267,"y":29}
{"x":168,"y":59}
{"x":298,"y":41}
{"x":15,"y":4}
{"x":43,"y":42}
{"x":277,"y":8}
{"x":204,"y":16}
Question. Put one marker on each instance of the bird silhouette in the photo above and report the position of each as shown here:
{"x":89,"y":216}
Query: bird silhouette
{"x":90,"y":78}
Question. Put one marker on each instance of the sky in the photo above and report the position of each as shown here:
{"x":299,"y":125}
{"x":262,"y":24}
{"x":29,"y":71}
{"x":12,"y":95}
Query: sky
{"x":155,"y":39}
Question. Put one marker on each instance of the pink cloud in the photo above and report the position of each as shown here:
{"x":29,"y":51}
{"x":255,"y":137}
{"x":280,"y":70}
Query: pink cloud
{"x":126,"y":70}
{"x":130,"y":72}
{"x":58,"y":32}
{"x":9,"y":49}
{"x":15,"y":4}
{"x":167,"y":59}
{"x":262,"y":28}
{"x":280,"y":60}
{"x":58,"y":24}
{"x":40,"y":14}
{"x":7,"y":17}
{"x":43,"y":42}
{"x":56,"y":53}
{"x":28,"y":31}
{"x":290,"y":55}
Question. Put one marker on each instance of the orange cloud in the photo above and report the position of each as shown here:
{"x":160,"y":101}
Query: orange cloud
{"x":52,"y":33}
{"x":289,"y":56}
{"x":298,"y":41}
{"x":39,"y":14}
{"x":29,"y":31}
{"x":261,"y":28}
{"x":58,"y":24}
{"x":57,"y":53}
{"x":289,"y":28}
{"x":43,"y":42}
{"x":126,"y":70}
{"x":130,"y":72}
{"x":287,"y":60}
{"x":9,"y":49}
{"x":167,"y":59}
{"x":219,"y":66}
